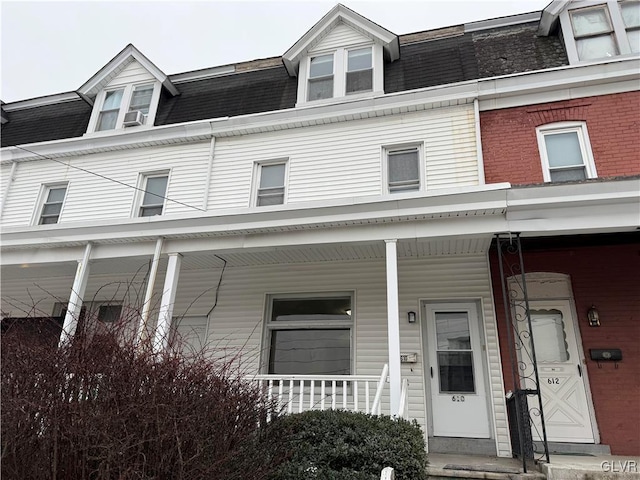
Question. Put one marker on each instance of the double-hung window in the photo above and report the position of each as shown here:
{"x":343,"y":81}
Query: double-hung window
{"x":309,"y":334}
{"x":359,"y":76}
{"x":320,"y":77}
{"x":53,"y":198}
{"x":403,"y":169}
{"x":153,"y":196}
{"x":141,"y":99}
{"x":631,"y":18}
{"x":593,"y":33}
{"x":270,"y":183}
{"x":565,"y":152}
{"x":110,"y":111}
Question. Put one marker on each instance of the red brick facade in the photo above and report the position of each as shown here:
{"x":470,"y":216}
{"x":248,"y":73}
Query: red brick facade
{"x":510,"y":145}
{"x":609,"y":278}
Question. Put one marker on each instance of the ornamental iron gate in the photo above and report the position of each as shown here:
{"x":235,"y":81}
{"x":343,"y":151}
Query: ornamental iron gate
{"x":525,"y":403}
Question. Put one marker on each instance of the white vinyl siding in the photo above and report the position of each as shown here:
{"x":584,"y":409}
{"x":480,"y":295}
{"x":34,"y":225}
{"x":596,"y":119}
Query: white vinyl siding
{"x":95,"y":198}
{"x":133,"y":73}
{"x":344,"y":160}
{"x":340,"y":36}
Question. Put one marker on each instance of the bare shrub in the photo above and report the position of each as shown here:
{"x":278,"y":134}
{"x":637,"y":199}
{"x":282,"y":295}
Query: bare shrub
{"x":102,"y":407}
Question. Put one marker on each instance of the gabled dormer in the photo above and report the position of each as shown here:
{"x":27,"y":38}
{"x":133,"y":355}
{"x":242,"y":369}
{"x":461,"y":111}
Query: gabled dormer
{"x":341,"y":56}
{"x":125,"y":92}
{"x":594,"y":30}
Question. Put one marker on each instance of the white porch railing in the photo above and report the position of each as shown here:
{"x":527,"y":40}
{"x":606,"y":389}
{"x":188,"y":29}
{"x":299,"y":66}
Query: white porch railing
{"x":297,"y":393}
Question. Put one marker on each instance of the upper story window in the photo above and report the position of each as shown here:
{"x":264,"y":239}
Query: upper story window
{"x":153,"y":195}
{"x":128,"y":106}
{"x":270,"y":183}
{"x":403,"y":169}
{"x":52,"y":200}
{"x":601,"y":29}
{"x":565,"y":152}
{"x":342,"y":72}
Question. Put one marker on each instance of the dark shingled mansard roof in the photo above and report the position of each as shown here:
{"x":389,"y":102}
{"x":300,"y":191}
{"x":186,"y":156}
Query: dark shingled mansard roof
{"x":426,"y":59}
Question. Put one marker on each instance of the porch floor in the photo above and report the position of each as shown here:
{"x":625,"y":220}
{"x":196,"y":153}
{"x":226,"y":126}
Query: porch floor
{"x":561,"y":467}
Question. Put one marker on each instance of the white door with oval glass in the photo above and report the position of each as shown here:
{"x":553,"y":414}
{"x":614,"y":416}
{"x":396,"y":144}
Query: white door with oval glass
{"x":560,"y":370}
{"x":455,"y":370}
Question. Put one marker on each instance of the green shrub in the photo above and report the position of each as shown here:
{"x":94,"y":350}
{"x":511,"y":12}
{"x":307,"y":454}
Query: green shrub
{"x":342,"y":445}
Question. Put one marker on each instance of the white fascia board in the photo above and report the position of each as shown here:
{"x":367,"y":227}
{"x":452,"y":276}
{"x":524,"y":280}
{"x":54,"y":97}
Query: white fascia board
{"x":550,"y":15}
{"x":463,"y":203}
{"x":592,"y":207}
{"x":619,"y":75}
{"x":105,"y":141}
{"x":41,"y":101}
{"x":502,"y":22}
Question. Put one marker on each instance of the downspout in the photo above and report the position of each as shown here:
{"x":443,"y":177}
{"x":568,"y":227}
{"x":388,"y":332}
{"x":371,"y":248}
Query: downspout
{"x":5,"y":194}
{"x":146,"y":306}
{"x":207,"y":183}
{"x":476,"y":114}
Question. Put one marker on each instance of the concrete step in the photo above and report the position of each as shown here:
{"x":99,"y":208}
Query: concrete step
{"x":463,"y":471}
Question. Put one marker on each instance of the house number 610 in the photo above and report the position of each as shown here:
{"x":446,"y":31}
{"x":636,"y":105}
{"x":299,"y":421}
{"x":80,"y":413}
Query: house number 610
{"x":457,"y":398}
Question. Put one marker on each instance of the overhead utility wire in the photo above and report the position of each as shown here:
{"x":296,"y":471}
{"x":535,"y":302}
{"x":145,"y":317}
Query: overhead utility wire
{"x":108,"y":178}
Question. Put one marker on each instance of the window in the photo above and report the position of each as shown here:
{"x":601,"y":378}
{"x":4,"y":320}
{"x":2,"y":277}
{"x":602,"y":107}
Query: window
{"x":110,"y":110}
{"x":342,"y":72}
{"x":601,"y":29}
{"x":271,"y":184}
{"x":153,"y":197}
{"x":309,"y":334}
{"x":113,"y":106}
{"x":53,"y":198}
{"x":403,"y":169}
{"x":321,"y":77}
{"x":359,"y":70}
{"x":593,"y":33}
{"x":566,"y":153}
{"x":631,"y":18}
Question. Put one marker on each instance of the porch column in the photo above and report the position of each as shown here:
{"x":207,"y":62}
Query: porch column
{"x":161,"y":339}
{"x":146,"y":306}
{"x":75,"y":300}
{"x":393,"y":326}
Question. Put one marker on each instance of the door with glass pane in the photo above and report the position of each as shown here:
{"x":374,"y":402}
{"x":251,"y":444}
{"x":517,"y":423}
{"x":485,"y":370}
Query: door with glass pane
{"x":564,"y":396}
{"x":455,"y":370}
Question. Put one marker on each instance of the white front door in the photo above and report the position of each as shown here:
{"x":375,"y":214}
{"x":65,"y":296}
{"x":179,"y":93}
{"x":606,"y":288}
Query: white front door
{"x":560,"y":370}
{"x":455,"y":369}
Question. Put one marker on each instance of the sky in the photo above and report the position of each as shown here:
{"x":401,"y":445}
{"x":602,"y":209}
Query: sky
{"x":50,"y":47}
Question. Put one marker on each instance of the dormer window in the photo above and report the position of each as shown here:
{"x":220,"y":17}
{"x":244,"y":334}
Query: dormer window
{"x":359,"y":70}
{"x":320,"y":77}
{"x":598,"y":30}
{"x":137,"y":98}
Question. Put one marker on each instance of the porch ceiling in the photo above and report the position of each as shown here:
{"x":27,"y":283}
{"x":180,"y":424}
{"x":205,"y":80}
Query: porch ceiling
{"x":139,"y":265}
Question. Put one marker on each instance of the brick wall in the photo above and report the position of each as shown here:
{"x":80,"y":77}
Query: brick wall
{"x":510,"y":145}
{"x":609,"y":278}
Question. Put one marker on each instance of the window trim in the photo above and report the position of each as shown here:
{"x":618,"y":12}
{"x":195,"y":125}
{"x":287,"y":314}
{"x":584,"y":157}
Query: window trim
{"x":583,"y":138}
{"x":125,"y":104}
{"x":42,"y":200}
{"x":619,"y":31}
{"x":257,"y":175}
{"x":388,"y":149}
{"x":268,"y":325}
{"x":141,"y":189}
{"x":340,"y":66}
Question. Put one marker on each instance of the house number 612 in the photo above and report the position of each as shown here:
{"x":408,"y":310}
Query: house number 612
{"x":457,"y":398}
{"x":553,"y":381}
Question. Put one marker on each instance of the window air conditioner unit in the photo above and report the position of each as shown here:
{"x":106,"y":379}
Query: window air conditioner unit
{"x":131,"y":119}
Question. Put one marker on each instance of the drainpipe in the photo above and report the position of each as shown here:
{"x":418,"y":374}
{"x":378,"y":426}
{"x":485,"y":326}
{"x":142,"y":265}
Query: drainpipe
{"x":5,"y":194}
{"x":146,"y":306}
{"x":476,"y":113}
{"x":207,"y":182}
